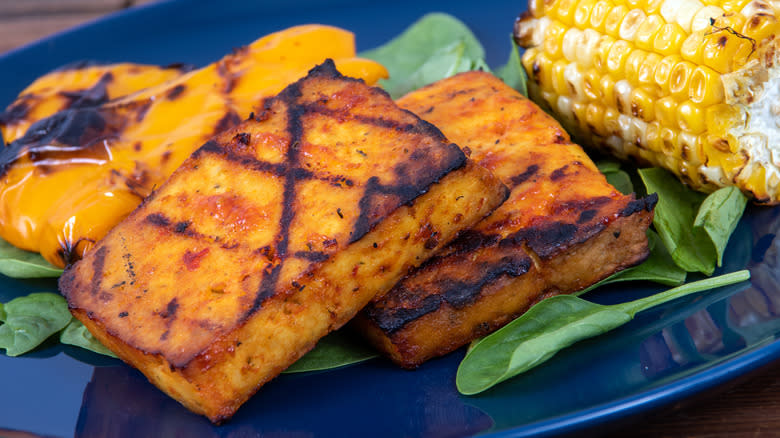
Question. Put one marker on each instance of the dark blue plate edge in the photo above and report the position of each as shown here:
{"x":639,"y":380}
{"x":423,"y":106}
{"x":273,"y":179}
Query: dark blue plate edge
{"x":622,"y":409}
{"x":626,"y":408}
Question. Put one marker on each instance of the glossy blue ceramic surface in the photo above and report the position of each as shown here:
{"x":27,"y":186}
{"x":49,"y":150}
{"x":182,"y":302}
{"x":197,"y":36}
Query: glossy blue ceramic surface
{"x":664,"y":355}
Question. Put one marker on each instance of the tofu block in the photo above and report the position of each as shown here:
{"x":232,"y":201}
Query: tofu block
{"x":273,"y":234}
{"x":562,"y":229}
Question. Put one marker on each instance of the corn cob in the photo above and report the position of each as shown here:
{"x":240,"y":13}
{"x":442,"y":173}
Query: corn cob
{"x":688,"y":85}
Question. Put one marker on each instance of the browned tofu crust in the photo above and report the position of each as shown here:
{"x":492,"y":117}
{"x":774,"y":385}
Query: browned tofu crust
{"x":273,"y":234}
{"x":562,"y":229}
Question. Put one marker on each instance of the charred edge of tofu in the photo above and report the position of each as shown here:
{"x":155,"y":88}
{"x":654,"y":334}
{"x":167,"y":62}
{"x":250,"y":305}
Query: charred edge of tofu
{"x":546,"y":242}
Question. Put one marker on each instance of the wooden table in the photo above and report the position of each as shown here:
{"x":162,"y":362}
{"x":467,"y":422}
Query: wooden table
{"x":751,"y":408}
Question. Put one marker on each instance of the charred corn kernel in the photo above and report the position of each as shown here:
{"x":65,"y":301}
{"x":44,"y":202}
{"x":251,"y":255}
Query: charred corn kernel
{"x":690,"y":85}
{"x":599,"y":14}
{"x":60,"y":192}
{"x":720,"y":49}
{"x":614,"y":19}
{"x":692,"y":47}
{"x":706,"y":88}
{"x":642,"y":105}
{"x":691,"y":117}
{"x":590,"y":85}
{"x":761,"y":26}
{"x":669,"y":39}
{"x":645,"y":33}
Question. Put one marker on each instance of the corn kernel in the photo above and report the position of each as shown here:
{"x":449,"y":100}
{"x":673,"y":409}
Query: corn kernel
{"x":680,"y":79}
{"x":614,"y":19}
{"x":622,"y":96}
{"x":690,"y":117}
{"x":594,"y":119}
{"x":628,"y":28}
{"x":602,"y":53}
{"x":719,"y":118}
{"x":634,"y":63}
{"x":599,"y":14}
{"x":669,"y":39}
{"x":720,"y":49}
{"x":607,"y":89}
{"x":692,"y":47}
{"x":611,"y":124}
{"x":663,"y":71}
{"x":706,"y":87}
{"x":574,"y":79}
{"x":553,"y":39}
{"x":647,"y":69}
{"x":616,"y":60}
{"x":701,"y":21}
{"x":666,"y":111}
{"x":587,"y":52}
{"x":645,"y":33}
{"x":590,"y":85}
{"x":653,"y":6}
{"x":572,"y":42}
{"x":560,"y":87}
{"x":642,"y":105}
{"x":582,"y":13}
{"x":564,"y":9}
{"x":578,"y":110}
{"x":681,"y":12}
{"x":761,"y":26}
{"x":653,"y":136}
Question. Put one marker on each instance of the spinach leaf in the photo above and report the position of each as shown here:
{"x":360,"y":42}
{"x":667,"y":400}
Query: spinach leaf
{"x":659,"y":268}
{"x":554,"y":324}
{"x":719,"y":215}
{"x":334,"y":350}
{"x":434,"y":47}
{"x":513,"y":73}
{"x":76,"y":334}
{"x":621,"y":181}
{"x":17,"y":263}
{"x":690,"y":247}
{"x":30,"y":320}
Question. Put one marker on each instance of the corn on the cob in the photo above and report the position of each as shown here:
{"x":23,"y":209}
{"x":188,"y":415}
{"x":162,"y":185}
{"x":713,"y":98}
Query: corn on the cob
{"x":688,"y":85}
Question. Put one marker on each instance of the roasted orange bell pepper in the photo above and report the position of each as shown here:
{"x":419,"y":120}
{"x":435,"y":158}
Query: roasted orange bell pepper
{"x":76,"y":174}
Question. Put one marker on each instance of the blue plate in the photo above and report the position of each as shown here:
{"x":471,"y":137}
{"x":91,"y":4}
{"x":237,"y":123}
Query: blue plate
{"x":664,"y":355}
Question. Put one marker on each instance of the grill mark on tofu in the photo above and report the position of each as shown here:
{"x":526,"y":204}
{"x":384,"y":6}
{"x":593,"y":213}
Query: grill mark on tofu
{"x":529,"y":172}
{"x":407,"y":307}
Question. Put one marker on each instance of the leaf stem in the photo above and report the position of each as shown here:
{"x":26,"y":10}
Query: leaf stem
{"x":637,"y":306}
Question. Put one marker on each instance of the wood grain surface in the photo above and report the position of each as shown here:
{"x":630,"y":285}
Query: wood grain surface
{"x":750,"y":408}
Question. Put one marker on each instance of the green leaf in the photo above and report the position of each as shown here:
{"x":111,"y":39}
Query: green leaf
{"x":621,"y":181}
{"x":76,"y":334}
{"x":659,"y":268}
{"x":690,"y":247}
{"x":513,"y":73}
{"x":30,"y":320}
{"x":606,"y":167}
{"x":554,"y":324}
{"x":335,"y":350}
{"x":719,"y":215}
{"x":434,"y":47}
{"x":17,"y":263}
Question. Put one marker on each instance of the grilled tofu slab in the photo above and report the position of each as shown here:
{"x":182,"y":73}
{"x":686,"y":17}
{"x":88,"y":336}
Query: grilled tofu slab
{"x":273,"y":234}
{"x":562,"y":229}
